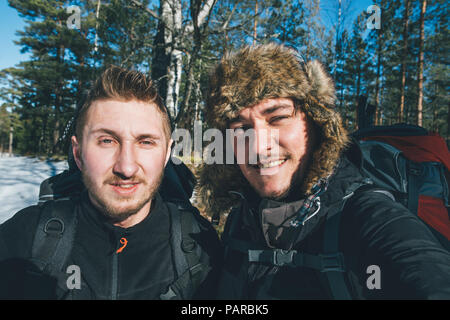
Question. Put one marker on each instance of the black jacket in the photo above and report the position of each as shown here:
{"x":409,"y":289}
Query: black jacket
{"x":374,"y":231}
{"x":142,"y":270}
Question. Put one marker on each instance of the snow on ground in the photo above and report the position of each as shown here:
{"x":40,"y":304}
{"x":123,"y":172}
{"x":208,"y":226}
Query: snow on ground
{"x":20,"y":178}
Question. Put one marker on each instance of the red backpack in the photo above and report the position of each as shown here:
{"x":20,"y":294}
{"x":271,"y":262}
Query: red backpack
{"x":414,"y":166}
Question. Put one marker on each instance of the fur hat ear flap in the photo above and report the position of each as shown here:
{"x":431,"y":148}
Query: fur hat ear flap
{"x":322,"y":86}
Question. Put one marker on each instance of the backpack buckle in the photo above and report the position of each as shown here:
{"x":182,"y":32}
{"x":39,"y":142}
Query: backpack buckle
{"x":415,"y":169}
{"x":54,"y":226}
{"x":332,"y":262}
{"x":283,"y":257}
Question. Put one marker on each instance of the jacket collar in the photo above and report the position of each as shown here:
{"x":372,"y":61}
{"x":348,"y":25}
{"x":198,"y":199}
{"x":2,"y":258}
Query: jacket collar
{"x":102,"y":224}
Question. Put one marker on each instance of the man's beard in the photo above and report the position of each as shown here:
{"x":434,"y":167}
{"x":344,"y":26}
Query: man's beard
{"x":109,"y":208}
{"x":292,"y":191}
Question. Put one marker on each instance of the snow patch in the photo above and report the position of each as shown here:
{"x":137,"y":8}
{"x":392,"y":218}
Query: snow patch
{"x":20,"y":178}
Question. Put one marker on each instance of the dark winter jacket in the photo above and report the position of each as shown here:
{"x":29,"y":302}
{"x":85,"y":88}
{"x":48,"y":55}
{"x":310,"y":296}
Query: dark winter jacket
{"x":374,"y":231}
{"x":379,"y":238}
{"x":143,"y":269}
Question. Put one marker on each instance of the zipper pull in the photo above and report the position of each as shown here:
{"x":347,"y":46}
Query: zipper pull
{"x":124,"y":243}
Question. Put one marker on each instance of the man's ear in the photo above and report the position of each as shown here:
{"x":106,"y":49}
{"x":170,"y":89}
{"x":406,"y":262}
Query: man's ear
{"x":76,"y":150}
{"x":169,"y":151}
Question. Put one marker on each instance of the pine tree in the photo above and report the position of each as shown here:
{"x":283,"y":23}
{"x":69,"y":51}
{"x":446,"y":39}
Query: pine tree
{"x":51,"y":77}
{"x":404,"y":58}
{"x":420,"y":62}
{"x":357,"y":69}
{"x":437,"y":69}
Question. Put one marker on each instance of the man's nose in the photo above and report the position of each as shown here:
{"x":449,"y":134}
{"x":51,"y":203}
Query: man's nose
{"x":264,"y":142}
{"x":126,"y":163}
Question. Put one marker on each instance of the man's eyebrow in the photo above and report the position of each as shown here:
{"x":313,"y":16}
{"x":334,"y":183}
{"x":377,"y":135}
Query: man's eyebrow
{"x":148,"y":136}
{"x":269,"y":110}
{"x":104,"y":130}
{"x":116,"y":135}
{"x":276,"y":108}
{"x":234,"y":120}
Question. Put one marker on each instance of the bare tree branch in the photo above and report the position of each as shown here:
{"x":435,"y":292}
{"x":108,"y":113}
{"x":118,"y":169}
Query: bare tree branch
{"x":151,"y":12}
{"x":225,"y":24}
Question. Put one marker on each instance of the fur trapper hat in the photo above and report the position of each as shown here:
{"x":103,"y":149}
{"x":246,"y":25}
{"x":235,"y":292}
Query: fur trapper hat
{"x":256,"y":73}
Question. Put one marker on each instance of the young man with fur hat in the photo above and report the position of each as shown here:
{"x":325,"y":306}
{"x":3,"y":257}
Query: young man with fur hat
{"x":304,"y":223}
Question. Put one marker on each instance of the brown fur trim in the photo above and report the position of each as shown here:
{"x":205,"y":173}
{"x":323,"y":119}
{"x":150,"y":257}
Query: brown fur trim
{"x":247,"y":77}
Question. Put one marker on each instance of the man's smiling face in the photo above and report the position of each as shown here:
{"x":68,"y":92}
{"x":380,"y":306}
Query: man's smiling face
{"x":283,"y":140}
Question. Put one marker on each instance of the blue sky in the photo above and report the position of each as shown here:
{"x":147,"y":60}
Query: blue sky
{"x":10,"y":22}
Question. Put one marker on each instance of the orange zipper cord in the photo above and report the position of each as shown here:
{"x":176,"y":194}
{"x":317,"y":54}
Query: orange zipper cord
{"x":123,"y":241}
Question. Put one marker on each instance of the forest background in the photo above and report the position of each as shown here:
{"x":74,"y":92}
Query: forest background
{"x":395,"y":53}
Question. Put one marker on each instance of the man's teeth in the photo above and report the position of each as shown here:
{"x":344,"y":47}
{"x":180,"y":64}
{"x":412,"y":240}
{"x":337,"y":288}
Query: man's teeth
{"x":126,"y":185}
{"x":271,"y":164}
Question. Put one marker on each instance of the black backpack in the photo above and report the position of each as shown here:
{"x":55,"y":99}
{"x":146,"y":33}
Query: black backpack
{"x":54,"y":236}
{"x":386,"y":171}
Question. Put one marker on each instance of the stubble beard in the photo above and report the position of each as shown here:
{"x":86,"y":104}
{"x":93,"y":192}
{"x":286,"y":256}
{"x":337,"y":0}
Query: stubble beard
{"x":112,"y":207}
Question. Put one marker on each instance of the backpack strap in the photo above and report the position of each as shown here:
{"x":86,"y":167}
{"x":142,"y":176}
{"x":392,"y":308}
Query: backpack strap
{"x":329,"y":262}
{"x":293,"y":258}
{"x":190,"y":271}
{"x":414,"y":173}
{"x":336,"y":277}
{"x":54,"y":237}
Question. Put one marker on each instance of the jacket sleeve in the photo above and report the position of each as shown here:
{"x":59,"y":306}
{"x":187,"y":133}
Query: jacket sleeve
{"x":17,"y":233}
{"x":412,"y":263}
{"x":16,"y":239}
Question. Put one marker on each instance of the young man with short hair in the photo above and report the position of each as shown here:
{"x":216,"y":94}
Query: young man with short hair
{"x":122,"y":244}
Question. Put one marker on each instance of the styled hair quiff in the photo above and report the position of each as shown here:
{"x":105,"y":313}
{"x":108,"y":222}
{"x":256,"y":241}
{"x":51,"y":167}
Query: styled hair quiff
{"x":252,"y":74}
{"x":116,"y":83}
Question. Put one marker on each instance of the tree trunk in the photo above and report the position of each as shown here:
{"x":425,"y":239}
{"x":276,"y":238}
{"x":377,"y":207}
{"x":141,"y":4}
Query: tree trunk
{"x":377,"y":83}
{"x":58,"y":101}
{"x":192,"y":60}
{"x":255,"y":24}
{"x":358,"y":93}
{"x":11,"y":137}
{"x":97,"y":12}
{"x":435,"y":107}
{"x":56,"y":129}
{"x":403,"y":67}
{"x":160,"y":59}
{"x":337,"y":48}
{"x":173,"y":84}
{"x":171,"y":14}
{"x":420,"y":66}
